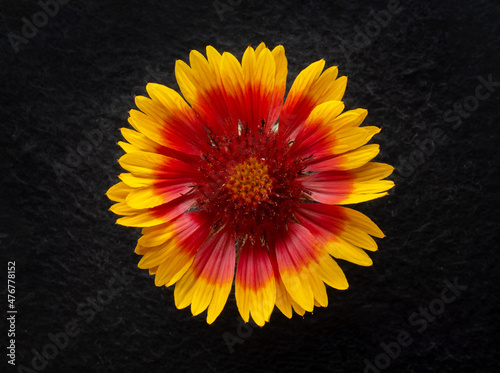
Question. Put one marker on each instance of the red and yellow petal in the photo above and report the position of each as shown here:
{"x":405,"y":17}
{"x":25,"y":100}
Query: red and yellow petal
{"x":158,"y":194}
{"x":226,"y":93}
{"x":255,"y":287}
{"x":250,"y":88}
{"x":156,"y":179}
{"x":345,"y":187}
{"x":331,"y":141}
{"x":201,"y":86}
{"x":170,"y":248}
{"x":261,"y":92}
{"x":310,"y":89}
{"x":343,"y":232}
{"x":167,"y":120}
{"x":345,"y":161}
{"x":317,"y":134}
{"x":159,"y":214}
{"x":208,"y":280}
{"x":154,"y":165}
{"x":304,"y":267}
{"x":281,"y":69}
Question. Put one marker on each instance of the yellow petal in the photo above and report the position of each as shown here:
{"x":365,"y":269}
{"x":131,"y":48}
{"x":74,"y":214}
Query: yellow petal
{"x":119,"y":192}
{"x":331,"y":273}
{"x":219,"y":299}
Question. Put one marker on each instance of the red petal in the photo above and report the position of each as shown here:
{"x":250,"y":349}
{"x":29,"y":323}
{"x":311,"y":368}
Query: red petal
{"x":321,"y":220}
{"x":329,"y":187}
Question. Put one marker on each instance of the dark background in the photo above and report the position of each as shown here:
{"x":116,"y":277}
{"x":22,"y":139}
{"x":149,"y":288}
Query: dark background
{"x":76,"y":78}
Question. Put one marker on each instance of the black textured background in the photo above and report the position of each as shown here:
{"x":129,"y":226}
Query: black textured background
{"x":77,"y":76}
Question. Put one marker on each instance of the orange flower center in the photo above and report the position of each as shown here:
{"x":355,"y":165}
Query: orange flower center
{"x":249,"y":182}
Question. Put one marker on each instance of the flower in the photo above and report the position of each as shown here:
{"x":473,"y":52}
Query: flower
{"x":230,"y":177}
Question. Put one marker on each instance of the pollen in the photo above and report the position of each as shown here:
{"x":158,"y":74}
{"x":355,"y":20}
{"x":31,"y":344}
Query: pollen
{"x":249,"y":182}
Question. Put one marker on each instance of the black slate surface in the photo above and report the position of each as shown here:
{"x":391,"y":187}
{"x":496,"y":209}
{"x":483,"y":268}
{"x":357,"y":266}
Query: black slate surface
{"x":429,"y":75}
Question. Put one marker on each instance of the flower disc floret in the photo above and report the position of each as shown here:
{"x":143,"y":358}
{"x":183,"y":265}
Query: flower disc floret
{"x":251,"y":183}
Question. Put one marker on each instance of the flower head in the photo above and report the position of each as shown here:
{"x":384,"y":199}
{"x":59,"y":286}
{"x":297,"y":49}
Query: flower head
{"x":230,"y":177}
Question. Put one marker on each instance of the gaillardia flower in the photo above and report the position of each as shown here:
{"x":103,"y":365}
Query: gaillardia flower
{"x":231,"y":182}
